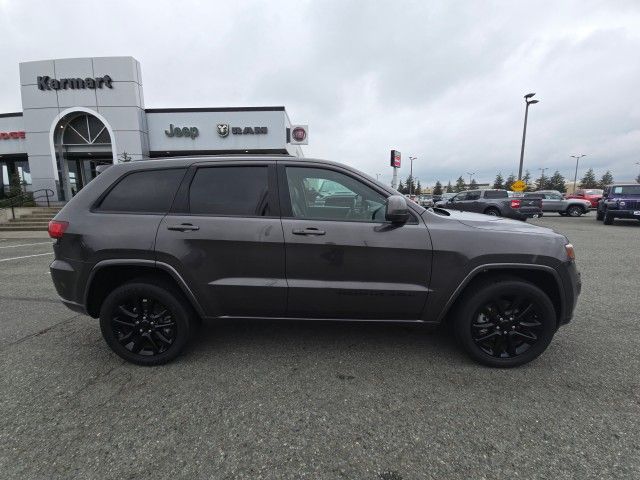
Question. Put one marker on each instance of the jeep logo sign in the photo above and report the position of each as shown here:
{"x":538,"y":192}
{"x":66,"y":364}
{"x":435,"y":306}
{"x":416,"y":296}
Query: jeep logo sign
{"x":48,"y":83}
{"x":189,"y":132}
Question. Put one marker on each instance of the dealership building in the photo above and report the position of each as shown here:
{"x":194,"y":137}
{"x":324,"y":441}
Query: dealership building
{"x":79,"y":113}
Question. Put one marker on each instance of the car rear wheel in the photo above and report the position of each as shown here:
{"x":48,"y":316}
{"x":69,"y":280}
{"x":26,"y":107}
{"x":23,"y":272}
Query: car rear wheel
{"x":608,"y":218}
{"x":505,"y":323}
{"x":575,"y":211}
{"x":494,"y":212}
{"x":146,"y":323}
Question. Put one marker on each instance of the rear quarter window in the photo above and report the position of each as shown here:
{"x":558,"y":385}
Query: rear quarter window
{"x":144,"y":191}
{"x":496,"y":194}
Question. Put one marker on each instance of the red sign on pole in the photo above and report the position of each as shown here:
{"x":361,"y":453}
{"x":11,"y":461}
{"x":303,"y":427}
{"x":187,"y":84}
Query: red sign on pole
{"x":395,"y":158}
{"x":11,"y":135}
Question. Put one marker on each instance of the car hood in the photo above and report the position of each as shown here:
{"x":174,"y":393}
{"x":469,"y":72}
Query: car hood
{"x":488,"y":222}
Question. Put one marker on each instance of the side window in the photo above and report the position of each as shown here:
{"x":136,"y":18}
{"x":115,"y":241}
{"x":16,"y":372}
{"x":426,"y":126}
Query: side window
{"x":473,"y":195}
{"x":460,"y":197}
{"x":495,"y":194}
{"x":145,"y":191}
{"x":320,"y":194}
{"x":239,"y":191}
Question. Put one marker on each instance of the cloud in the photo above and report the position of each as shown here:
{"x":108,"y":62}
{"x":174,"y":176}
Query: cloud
{"x":442,"y":81}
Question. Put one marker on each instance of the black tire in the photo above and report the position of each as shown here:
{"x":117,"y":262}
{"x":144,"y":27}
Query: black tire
{"x":575,"y":211}
{"x":504,"y":323}
{"x":608,"y":218}
{"x":150,"y":317}
{"x":494,"y":212}
{"x":599,"y":215}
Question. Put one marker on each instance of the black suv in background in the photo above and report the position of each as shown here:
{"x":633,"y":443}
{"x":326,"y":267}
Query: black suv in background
{"x":153,"y":247}
{"x":496,"y":203}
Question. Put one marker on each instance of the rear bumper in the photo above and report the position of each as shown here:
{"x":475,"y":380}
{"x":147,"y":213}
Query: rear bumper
{"x":65,"y":275}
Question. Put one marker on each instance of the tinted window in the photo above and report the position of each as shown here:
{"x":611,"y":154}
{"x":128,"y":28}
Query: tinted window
{"x":147,"y":191}
{"x":460,"y":197}
{"x":496,"y":194}
{"x":473,"y":196}
{"x":240,"y":191}
{"x":321,"y":194}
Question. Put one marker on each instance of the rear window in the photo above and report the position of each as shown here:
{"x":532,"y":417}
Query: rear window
{"x":146,"y":191}
{"x":496,"y":194}
{"x":238,"y":191}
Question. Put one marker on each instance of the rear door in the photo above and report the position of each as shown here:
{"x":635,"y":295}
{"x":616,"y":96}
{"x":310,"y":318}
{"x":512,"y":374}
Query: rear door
{"x":224,"y":236}
{"x":342,"y":259}
{"x":553,"y":202}
{"x":458,"y":201}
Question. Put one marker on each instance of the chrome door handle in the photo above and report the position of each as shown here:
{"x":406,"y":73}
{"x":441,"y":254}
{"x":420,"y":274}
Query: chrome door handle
{"x":183,"y":227}
{"x":308,"y":231}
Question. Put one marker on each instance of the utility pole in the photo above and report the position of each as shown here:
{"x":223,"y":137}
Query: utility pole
{"x":575,"y":177}
{"x":411,"y":159}
{"x":528,"y":101}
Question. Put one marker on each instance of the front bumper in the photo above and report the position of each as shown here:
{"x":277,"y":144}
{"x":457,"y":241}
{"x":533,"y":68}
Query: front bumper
{"x":618,"y":213}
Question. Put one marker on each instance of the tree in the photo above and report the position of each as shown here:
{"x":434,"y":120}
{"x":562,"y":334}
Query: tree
{"x":499,"y":182}
{"x":460,"y":185}
{"x":473,"y":185}
{"x":401,"y":187}
{"x":125,"y":157}
{"x":451,"y":190}
{"x":589,"y":180}
{"x":15,"y":185}
{"x":607,"y":179}
{"x":557,"y":182}
{"x":418,"y":189}
{"x":526,"y":178}
{"x":437,"y":189}
{"x":509,"y":181}
{"x":638,"y":178}
{"x":542,"y":183}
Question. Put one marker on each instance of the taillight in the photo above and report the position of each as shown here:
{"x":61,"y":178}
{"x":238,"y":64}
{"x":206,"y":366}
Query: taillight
{"x":57,"y":228}
{"x":515,"y":203}
{"x":571,"y":253}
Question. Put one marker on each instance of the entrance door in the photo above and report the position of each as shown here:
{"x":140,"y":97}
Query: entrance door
{"x":342,"y":259}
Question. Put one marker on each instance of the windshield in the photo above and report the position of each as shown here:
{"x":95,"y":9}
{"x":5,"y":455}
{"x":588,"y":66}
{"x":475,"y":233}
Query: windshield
{"x":593,"y":192}
{"x":626,"y":190}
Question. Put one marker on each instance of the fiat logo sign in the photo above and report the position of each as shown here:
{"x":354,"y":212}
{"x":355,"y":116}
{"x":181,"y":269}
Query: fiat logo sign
{"x":299,"y":134}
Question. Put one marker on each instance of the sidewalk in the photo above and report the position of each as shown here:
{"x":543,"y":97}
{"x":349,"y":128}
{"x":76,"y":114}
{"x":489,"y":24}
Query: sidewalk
{"x":10,"y":235}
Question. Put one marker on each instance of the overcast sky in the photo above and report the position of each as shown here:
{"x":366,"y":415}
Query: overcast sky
{"x":442,"y":81}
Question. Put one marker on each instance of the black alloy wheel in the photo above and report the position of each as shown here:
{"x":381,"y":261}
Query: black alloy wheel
{"x":146,"y":322}
{"x":506,"y":327}
{"x":494,"y":212}
{"x":505,"y":323}
{"x":143,"y":325}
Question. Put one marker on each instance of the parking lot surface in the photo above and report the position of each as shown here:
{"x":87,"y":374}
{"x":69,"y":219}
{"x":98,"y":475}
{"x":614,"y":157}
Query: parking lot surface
{"x":282,"y":400}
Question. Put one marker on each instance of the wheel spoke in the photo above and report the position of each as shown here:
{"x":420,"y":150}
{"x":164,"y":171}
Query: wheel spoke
{"x":486,"y":337}
{"x":524,"y":312}
{"x":164,"y":325}
{"x":511,"y":349}
{"x":128,"y":313}
{"x":137,"y":344}
{"x":121,"y":322}
{"x":156,"y":316}
{"x":530,"y":337}
{"x":154,"y":345}
{"x":162,"y":338}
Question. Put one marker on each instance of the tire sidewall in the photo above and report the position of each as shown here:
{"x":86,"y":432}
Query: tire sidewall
{"x":572,"y":209}
{"x":166,"y":297}
{"x":465,"y":314}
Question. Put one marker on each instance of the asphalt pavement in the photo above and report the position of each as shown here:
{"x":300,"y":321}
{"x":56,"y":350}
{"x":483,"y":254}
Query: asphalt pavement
{"x":280,"y":400}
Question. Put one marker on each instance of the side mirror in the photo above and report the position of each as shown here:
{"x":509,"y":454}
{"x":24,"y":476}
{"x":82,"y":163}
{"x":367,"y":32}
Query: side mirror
{"x":396,"y":210}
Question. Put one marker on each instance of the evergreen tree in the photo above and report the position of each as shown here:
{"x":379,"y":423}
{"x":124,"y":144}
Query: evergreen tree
{"x":437,"y":190}
{"x":451,"y":190}
{"x":460,"y":185}
{"x":607,"y":179}
{"x":15,"y":185}
{"x":526,"y":178}
{"x":498,"y":182}
{"x":473,"y":185}
{"x":418,"y":189}
{"x":589,"y":180}
{"x":557,"y":182}
{"x":401,"y":187}
{"x":509,"y":181}
{"x":542,"y":183}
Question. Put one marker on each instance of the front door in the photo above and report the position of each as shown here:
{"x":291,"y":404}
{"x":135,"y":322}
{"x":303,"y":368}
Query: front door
{"x":224,"y":236}
{"x":342,"y":259}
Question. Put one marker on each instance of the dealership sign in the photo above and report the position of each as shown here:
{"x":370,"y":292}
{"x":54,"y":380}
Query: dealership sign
{"x":395,"y":158}
{"x":188,"y":132}
{"x":48,"y":83}
{"x":223,"y":130}
{"x":12,"y":135}
{"x":299,"y":135}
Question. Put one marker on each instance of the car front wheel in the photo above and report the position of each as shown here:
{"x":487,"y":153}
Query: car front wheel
{"x":146,"y":323}
{"x":505,"y":323}
{"x":599,"y":215}
{"x":574,"y":211}
{"x":608,"y":218}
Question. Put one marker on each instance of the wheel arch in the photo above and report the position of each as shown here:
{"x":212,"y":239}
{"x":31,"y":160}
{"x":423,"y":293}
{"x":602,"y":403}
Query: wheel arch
{"x":542,"y":276}
{"x":108,"y":274}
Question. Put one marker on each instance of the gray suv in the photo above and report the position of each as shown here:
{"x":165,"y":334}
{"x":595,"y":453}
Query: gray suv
{"x":153,"y":247}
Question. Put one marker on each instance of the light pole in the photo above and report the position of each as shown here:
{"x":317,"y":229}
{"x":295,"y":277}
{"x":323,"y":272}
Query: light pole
{"x":528,"y":101}
{"x":411,"y":175}
{"x":471,"y":174}
{"x":638,"y":163}
{"x":575,"y":177}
